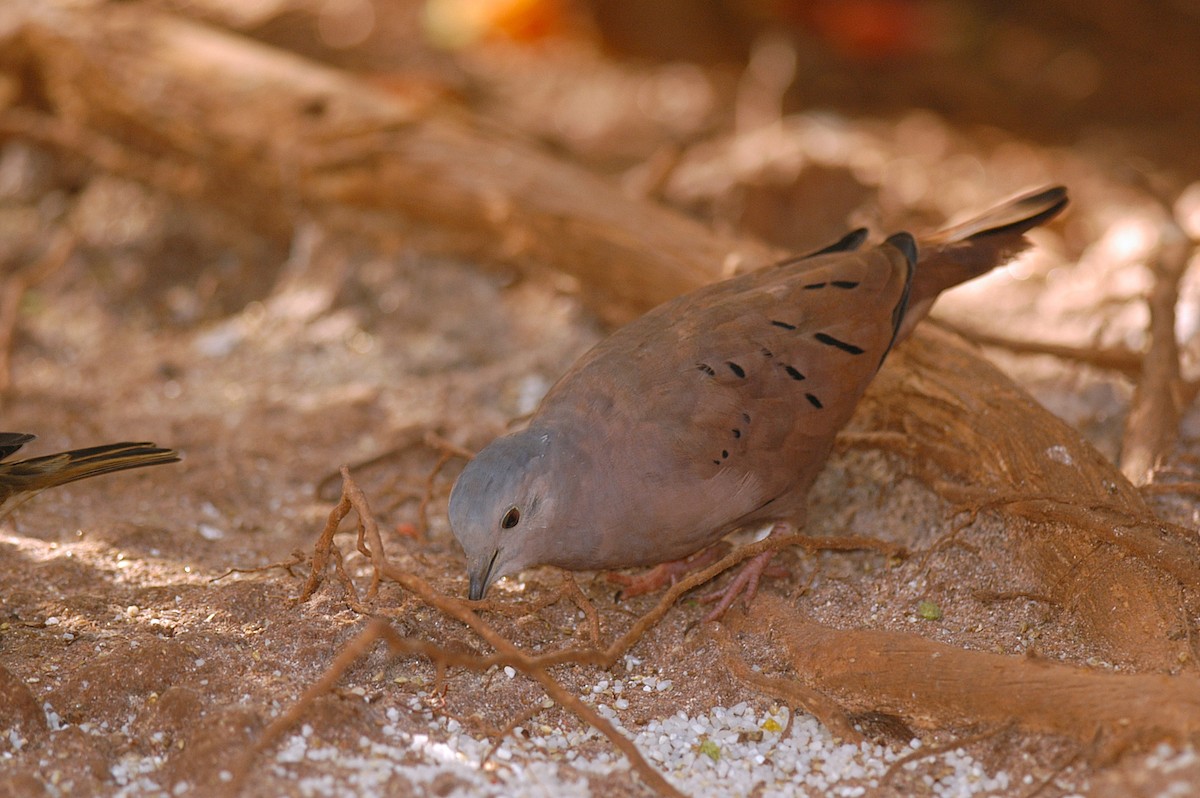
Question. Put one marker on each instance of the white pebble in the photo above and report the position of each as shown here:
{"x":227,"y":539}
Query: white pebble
{"x":210,"y":532}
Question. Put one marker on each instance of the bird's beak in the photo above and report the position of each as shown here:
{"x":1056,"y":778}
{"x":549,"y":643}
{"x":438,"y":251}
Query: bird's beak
{"x":481,"y":576}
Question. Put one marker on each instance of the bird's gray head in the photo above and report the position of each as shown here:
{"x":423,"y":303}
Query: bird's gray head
{"x":502,"y":505}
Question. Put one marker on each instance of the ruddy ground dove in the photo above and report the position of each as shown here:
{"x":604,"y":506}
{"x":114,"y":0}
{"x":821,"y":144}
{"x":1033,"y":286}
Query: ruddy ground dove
{"x":716,"y":410}
{"x":21,"y":479}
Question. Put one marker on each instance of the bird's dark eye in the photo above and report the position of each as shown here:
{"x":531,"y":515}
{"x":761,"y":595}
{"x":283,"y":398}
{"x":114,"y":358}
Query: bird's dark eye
{"x":511,"y":518}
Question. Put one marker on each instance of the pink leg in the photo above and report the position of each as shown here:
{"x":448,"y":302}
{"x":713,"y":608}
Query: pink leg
{"x":667,"y":573}
{"x":745,"y":584}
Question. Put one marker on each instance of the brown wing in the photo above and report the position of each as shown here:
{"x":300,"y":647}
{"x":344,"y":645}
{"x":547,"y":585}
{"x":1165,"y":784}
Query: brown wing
{"x":777,"y":366}
{"x":725,"y":399}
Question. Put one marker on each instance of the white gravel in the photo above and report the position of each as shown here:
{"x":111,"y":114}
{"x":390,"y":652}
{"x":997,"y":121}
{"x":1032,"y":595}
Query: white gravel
{"x":728,"y":751}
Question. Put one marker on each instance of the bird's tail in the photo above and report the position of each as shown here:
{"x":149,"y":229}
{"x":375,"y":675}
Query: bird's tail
{"x":64,"y":467}
{"x":967,"y":250}
{"x":27,"y":477}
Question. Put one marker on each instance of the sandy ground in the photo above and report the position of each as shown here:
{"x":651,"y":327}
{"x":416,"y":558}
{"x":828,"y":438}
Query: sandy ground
{"x":133,"y":666}
{"x":133,"y":662}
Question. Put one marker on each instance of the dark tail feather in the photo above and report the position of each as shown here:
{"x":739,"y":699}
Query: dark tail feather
{"x":23,"y":478}
{"x":978,"y":245}
{"x":10,"y":442}
{"x":59,"y":469}
{"x":974,"y":247}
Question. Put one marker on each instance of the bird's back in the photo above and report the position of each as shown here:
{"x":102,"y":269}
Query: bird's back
{"x":718,"y":409}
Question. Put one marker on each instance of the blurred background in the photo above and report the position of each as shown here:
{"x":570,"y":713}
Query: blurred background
{"x":283,"y":235}
{"x":782,"y":121}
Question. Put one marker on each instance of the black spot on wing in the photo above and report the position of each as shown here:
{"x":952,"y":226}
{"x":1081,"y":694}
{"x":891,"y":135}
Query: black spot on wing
{"x":783,"y":324}
{"x":767,"y":352}
{"x":845,"y":284}
{"x":793,"y":372}
{"x":829,"y":340}
{"x":736,"y":369}
{"x":707,"y":369}
{"x":814,"y":286}
{"x":814,"y":401}
{"x":737,"y":433}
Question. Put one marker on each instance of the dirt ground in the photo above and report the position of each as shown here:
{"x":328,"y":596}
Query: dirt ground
{"x":150,"y":628}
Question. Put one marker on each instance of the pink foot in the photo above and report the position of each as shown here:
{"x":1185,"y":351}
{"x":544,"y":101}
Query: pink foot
{"x":745,"y":584}
{"x":667,"y":573}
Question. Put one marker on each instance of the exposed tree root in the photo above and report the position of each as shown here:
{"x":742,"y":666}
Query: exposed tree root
{"x":1114,"y":358}
{"x":370,"y":543}
{"x":933,"y":685}
{"x":1161,"y":396}
{"x":1083,"y":536}
{"x":790,"y":692}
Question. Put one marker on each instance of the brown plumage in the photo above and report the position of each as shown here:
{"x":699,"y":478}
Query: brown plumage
{"x":22,"y":479}
{"x":716,"y":410}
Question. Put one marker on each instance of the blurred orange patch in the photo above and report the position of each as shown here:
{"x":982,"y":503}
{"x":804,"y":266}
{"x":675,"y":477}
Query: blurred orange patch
{"x":455,"y":24}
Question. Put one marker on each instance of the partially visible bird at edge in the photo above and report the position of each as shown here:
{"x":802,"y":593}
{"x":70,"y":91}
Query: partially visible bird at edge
{"x":21,"y":480}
